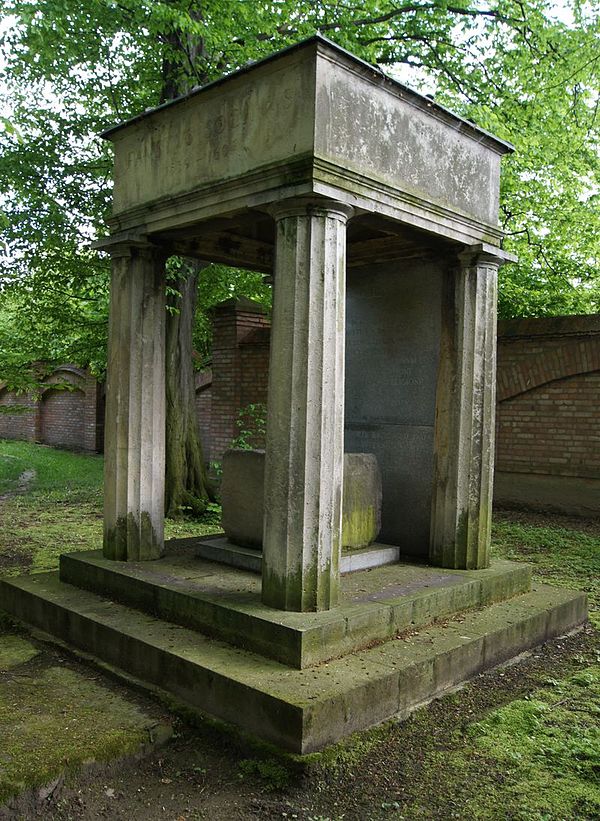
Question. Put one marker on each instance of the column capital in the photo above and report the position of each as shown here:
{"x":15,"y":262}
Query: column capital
{"x":484,"y":254}
{"x":129,"y":244}
{"x":310,"y":206}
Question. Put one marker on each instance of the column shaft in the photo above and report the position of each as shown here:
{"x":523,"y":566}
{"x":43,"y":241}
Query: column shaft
{"x":305,"y":428}
{"x":465,"y":417}
{"x":134,"y":473}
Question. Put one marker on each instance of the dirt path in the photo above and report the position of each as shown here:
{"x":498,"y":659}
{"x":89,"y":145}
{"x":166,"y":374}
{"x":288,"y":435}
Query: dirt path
{"x":23,"y":483}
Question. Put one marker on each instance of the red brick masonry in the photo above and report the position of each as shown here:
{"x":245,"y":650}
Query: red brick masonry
{"x":548,"y":418}
{"x":69,"y":413}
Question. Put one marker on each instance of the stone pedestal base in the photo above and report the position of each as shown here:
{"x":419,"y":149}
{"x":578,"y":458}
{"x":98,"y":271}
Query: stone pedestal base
{"x":276,"y":686}
{"x":243,"y":499}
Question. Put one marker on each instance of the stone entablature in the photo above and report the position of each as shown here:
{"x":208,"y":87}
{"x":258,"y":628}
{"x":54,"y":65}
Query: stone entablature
{"x":311,"y":120}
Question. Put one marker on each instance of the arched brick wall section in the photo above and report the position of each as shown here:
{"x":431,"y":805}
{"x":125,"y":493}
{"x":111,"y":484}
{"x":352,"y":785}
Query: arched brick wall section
{"x":70,"y":418}
{"x":548,"y":417}
{"x":63,"y":418}
{"x":542,"y":366}
{"x":17,"y":425}
{"x":553,"y":428}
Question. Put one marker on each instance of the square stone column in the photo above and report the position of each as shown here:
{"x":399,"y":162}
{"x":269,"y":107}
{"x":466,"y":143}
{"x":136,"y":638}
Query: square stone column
{"x":465,"y":416}
{"x":134,"y":444}
{"x":305,"y":421}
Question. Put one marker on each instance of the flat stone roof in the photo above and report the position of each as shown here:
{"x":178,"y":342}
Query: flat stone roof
{"x":376,"y":75}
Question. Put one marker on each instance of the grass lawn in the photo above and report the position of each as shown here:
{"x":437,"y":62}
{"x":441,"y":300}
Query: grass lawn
{"x":60,"y":510}
{"x":518,"y":743}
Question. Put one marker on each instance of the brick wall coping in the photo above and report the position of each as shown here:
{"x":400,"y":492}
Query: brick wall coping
{"x":240,"y":305}
{"x":73,"y":369}
{"x":549,"y":326}
{"x":203,"y":379}
{"x":260,"y":336}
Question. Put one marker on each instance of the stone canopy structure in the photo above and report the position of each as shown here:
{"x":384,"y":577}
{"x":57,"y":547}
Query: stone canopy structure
{"x":309,"y":165}
{"x":375,"y":210}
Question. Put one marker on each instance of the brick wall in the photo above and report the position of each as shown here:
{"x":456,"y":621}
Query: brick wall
{"x":548,"y":424}
{"x":69,"y":413}
{"x":21,"y":425}
{"x":240,"y":357}
{"x":204,"y":409}
{"x":548,"y":419}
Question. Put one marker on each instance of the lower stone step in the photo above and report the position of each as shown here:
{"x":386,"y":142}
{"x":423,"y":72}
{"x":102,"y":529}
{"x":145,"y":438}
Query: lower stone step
{"x":299,"y":710}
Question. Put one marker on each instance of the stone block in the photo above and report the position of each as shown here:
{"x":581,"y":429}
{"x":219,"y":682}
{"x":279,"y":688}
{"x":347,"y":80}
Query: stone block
{"x":242,"y":498}
{"x":361,"y":501}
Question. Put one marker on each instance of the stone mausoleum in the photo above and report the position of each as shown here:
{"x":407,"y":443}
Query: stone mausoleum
{"x":375,"y":210}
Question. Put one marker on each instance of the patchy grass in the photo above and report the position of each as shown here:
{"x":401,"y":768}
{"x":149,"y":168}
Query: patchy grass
{"x":61,"y":510}
{"x":57,"y":472}
{"x":547,"y":747}
{"x":563,"y":551}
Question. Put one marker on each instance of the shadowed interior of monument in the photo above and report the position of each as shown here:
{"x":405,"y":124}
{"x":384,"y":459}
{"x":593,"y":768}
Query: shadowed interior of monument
{"x":395,"y":284}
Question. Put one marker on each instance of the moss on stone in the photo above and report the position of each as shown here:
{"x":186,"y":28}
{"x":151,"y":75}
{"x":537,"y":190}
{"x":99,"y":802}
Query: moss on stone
{"x":359,"y":527}
{"x":58,"y":719}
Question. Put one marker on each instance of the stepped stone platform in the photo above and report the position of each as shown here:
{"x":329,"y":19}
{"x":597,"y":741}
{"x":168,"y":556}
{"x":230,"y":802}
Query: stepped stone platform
{"x":402,"y":634}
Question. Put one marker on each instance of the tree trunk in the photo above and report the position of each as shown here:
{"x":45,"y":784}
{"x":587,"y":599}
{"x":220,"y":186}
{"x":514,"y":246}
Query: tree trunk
{"x":186,"y":487}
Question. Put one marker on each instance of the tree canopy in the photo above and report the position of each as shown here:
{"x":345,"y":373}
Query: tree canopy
{"x":71,"y":68}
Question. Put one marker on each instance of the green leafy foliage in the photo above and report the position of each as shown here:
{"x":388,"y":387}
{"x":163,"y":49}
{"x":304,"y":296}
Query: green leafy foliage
{"x":252,"y":427}
{"x":70,"y":69}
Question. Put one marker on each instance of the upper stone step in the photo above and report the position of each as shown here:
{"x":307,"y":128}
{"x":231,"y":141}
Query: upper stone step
{"x":225,"y":602}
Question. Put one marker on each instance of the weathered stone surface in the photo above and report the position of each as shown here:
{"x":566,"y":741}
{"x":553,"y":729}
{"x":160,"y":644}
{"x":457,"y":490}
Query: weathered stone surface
{"x":242,"y":496}
{"x":134,"y":468}
{"x":243,"y":503}
{"x":392,"y":354}
{"x":224,"y":602}
{"x":465,"y":416}
{"x":361,"y":501}
{"x":310,"y":120}
{"x":299,"y":710}
{"x":305,"y":430}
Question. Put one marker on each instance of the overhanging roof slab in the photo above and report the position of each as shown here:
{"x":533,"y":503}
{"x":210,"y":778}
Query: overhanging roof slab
{"x":312,"y":119}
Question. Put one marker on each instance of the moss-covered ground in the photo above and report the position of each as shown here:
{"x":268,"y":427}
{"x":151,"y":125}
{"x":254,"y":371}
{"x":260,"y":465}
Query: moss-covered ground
{"x":520,"y":742}
{"x":55,"y":716}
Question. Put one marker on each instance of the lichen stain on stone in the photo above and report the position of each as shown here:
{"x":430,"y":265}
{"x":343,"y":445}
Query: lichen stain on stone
{"x":130,"y":540}
{"x":359,"y":527}
{"x":306,"y":590}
